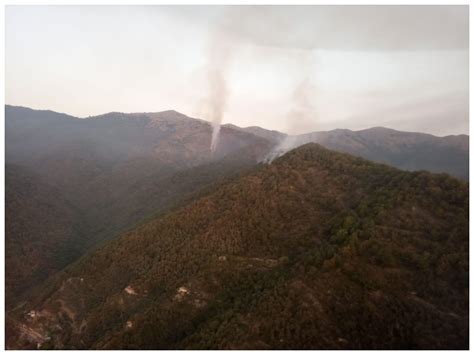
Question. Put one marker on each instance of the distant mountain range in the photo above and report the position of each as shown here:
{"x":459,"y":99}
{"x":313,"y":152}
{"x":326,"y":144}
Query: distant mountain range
{"x":405,"y":150}
{"x":74,"y":186}
{"x":115,"y":170}
{"x":169,"y":136}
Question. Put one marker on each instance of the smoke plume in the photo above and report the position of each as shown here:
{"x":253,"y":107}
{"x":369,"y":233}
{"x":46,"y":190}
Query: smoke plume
{"x":217,"y":100}
{"x":219,"y":50}
{"x":302,"y":115}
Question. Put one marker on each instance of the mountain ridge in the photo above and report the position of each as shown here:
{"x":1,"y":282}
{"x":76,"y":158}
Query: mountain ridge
{"x":231,"y":125}
{"x":125,"y":169}
{"x":405,"y":150}
{"x":375,"y":257}
{"x":114,"y":171}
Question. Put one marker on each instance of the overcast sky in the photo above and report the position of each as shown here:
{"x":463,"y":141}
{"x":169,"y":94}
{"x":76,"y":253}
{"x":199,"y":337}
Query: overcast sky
{"x":294,"y":69}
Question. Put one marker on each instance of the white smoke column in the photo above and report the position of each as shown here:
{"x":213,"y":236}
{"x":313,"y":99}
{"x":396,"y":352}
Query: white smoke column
{"x":219,"y":51}
{"x":218,"y":94}
{"x":302,"y":116}
{"x":216,"y":128}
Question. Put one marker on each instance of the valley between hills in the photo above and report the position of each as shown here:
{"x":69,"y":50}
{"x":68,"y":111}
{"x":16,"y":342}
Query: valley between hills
{"x":125,"y":231}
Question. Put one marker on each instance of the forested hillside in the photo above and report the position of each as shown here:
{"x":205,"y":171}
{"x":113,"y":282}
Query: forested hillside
{"x":43,"y":232}
{"x":117,"y":168}
{"x":318,"y":250}
{"x":109,"y":173}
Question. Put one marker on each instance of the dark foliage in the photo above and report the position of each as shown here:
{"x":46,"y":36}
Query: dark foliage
{"x":75,"y":183}
{"x":319,"y":250}
{"x":43,"y":232}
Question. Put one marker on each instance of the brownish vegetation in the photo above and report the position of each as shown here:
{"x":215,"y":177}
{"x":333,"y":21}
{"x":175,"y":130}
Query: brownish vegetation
{"x":319,"y":250}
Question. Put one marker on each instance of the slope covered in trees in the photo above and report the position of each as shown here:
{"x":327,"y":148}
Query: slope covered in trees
{"x":318,"y":250}
{"x":108,"y":166}
{"x":43,"y":232}
{"x":113,"y":170}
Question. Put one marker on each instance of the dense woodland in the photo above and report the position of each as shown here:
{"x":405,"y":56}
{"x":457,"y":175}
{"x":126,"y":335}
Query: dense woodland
{"x":318,"y":250}
{"x":72,"y":184}
{"x":103,"y":175}
{"x":43,"y":232}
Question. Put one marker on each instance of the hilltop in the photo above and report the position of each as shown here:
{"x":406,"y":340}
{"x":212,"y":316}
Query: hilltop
{"x":109,"y":172}
{"x":318,"y":250}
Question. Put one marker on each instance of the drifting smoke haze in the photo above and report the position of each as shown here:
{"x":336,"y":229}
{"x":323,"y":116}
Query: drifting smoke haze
{"x":303,"y":113}
{"x":378,"y":31}
{"x":302,"y":116}
{"x":295,"y":69}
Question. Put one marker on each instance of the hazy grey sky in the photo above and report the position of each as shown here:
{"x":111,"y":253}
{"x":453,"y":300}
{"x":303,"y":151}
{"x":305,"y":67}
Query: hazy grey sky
{"x":291,"y":68}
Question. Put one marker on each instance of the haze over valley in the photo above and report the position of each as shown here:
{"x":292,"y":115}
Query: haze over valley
{"x":237,"y":178}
